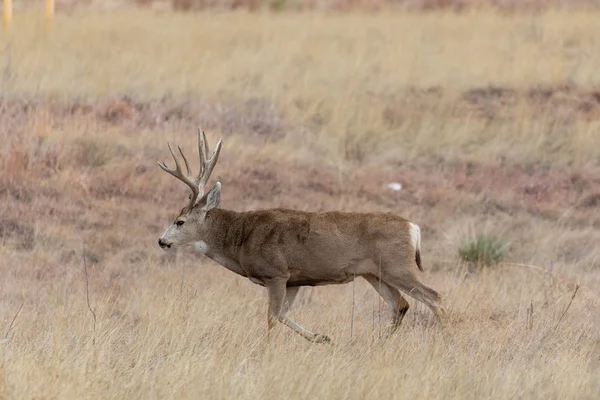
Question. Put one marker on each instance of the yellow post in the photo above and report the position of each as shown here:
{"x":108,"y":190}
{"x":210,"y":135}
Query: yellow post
{"x":7,"y":16}
{"x":49,"y":9}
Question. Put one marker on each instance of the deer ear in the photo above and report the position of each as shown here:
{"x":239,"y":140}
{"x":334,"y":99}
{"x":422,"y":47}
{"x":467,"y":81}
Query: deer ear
{"x":213,"y":197}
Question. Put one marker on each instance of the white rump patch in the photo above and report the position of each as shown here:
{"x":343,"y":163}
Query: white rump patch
{"x":415,"y":236}
{"x":201,"y":246}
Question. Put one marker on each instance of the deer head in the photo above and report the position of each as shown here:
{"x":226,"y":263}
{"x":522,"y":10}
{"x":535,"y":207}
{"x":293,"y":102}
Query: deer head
{"x":187,"y":226}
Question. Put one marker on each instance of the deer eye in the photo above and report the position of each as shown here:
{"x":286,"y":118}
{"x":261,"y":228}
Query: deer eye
{"x":179,"y":223}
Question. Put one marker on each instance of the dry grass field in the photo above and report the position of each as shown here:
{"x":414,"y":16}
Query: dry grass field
{"x":489,"y":121}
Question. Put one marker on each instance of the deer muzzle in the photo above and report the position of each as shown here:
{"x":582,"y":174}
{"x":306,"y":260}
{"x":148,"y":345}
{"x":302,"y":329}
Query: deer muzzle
{"x":164,"y":244}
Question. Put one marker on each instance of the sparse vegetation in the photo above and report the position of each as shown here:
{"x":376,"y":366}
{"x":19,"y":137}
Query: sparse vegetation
{"x":485,"y":118}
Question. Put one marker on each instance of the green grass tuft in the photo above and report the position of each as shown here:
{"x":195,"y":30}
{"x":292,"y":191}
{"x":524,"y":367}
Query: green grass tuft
{"x":484,"y":250}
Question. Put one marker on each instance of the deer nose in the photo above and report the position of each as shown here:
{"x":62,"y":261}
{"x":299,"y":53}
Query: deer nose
{"x":163,"y":244}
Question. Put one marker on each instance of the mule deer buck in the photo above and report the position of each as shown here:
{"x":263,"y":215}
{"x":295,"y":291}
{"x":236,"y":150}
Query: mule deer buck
{"x":284,"y":249}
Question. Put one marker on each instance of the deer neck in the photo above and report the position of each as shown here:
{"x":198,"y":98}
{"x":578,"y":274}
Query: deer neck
{"x":223,"y":234}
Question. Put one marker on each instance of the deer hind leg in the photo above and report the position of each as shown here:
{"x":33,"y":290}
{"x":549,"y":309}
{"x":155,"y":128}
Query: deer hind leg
{"x":391,"y":296}
{"x":290,"y":296}
{"x":410,"y":284}
{"x":278,"y":294}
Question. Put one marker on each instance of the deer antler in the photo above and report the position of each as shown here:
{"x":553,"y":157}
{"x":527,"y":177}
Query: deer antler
{"x":197,"y":183}
{"x":206,"y":165}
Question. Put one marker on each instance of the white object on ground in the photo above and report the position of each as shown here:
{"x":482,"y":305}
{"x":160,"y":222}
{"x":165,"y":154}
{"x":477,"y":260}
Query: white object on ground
{"x":395,"y":186}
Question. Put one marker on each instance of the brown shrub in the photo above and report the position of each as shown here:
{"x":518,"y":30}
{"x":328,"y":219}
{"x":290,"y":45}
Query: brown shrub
{"x":95,"y":152}
{"x":20,"y":233}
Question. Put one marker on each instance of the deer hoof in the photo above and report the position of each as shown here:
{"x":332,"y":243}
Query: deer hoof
{"x":322,"y":339}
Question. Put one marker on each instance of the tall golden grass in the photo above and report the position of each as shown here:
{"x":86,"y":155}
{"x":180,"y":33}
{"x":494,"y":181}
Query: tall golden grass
{"x":345,"y":76}
{"x":488,"y":121}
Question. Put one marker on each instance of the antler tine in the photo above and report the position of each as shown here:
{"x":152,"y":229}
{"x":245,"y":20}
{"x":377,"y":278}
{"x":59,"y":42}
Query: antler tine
{"x":177,"y":166}
{"x":187,"y":166}
{"x":202,"y":150}
{"x":206,"y":164}
{"x":210,"y":165}
{"x":177,"y":173}
{"x":205,"y":145}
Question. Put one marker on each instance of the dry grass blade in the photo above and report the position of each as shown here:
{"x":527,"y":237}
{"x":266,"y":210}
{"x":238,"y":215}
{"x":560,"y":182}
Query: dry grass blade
{"x":353,"y":302}
{"x":530,"y":316}
{"x":379,"y":299}
{"x":12,"y":322}
{"x":532,"y":267}
{"x":87,"y":292}
{"x":568,"y":306}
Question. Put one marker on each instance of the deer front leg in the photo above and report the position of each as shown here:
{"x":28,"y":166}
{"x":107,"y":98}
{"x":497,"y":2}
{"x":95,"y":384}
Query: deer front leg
{"x":277,"y":291}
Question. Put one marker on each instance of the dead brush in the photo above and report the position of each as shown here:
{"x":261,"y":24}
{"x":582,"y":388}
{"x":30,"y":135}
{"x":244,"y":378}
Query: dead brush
{"x":95,"y":152}
{"x":22,"y":154}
